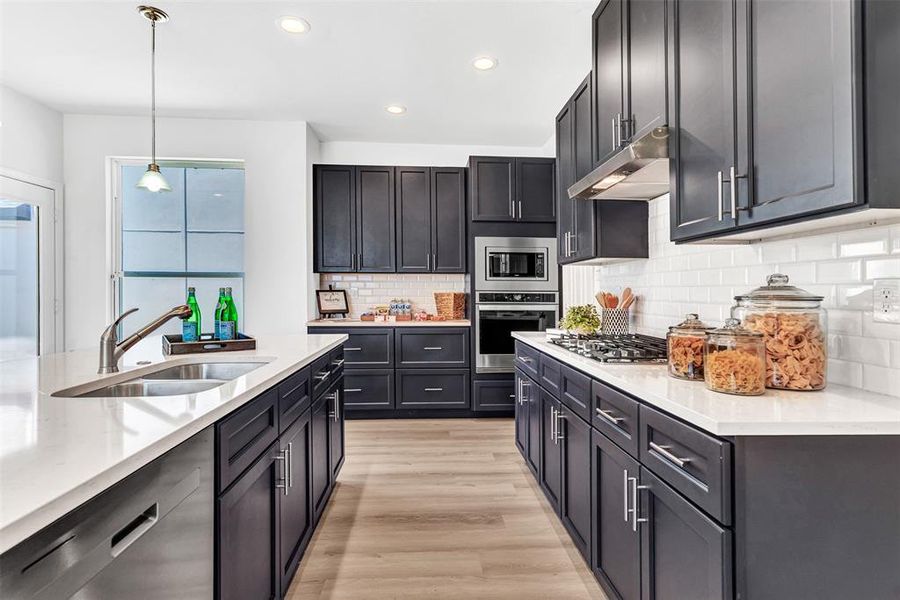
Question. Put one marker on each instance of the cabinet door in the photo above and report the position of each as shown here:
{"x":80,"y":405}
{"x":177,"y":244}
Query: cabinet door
{"x":609,"y":54}
{"x":335,"y":219}
{"x":249,"y":537}
{"x":375,"y":220}
{"x":702,"y":139}
{"x":796,"y":93}
{"x":296,"y":520}
{"x":575,"y":507}
{"x":521,"y":414}
{"x":448,"y":214}
{"x":551,"y":463}
{"x":493,"y":188}
{"x":535,"y":431}
{"x":320,"y":443}
{"x":684,"y":553}
{"x":565,"y":176}
{"x":336,"y":430}
{"x":493,"y":395}
{"x":646,"y":66}
{"x":368,"y":389}
{"x":616,"y":559}
{"x":414,"y":219}
{"x":584,"y":237}
{"x":536,"y":190}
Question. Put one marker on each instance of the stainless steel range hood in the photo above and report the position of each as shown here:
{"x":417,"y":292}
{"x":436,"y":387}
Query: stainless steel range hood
{"x":639,"y":171}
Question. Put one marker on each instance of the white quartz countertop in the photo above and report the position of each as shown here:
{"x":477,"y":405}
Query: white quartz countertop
{"x":56,"y":453}
{"x":836,"y":410}
{"x":359,"y":323}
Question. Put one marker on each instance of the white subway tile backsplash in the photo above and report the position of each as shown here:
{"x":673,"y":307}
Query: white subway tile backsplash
{"x":839,"y":266}
{"x":367,"y":290}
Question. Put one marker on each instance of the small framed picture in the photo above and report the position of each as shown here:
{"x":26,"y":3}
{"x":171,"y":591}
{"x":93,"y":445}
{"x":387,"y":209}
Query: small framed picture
{"x":332,"y":302}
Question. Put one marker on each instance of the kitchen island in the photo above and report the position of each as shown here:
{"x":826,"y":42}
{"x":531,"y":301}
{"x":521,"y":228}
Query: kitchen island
{"x":670,"y":490}
{"x":58,"y":453}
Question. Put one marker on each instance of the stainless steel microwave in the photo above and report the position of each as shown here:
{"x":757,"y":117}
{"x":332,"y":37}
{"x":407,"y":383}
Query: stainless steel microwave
{"x":513,"y":264}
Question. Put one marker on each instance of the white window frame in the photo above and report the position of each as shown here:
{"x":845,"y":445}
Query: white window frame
{"x":114,"y":215}
{"x":51,"y":281}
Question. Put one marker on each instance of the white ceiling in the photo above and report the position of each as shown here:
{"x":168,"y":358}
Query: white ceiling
{"x":231,"y":60}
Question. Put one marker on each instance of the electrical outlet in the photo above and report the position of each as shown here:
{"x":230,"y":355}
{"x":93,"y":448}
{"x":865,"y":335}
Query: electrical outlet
{"x":886,"y":300}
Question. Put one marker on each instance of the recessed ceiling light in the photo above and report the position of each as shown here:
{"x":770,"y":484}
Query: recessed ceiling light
{"x":395,"y":109}
{"x":294,"y":24}
{"x":484,"y":63}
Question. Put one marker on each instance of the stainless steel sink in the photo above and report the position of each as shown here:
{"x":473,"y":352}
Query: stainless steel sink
{"x":172,"y":380}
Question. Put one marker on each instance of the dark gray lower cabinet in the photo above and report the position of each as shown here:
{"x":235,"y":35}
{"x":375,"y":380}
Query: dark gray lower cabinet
{"x":368,"y":389}
{"x":320,"y":445}
{"x":433,"y":388}
{"x":521,"y":418}
{"x":533,"y":396}
{"x":616,"y":556}
{"x":684,"y":553}
{"x":296,"y":513}
{"x":336,"y":431}
{"x":575,"y":504}
{"x":493,"y":395}
{"x":550,"y":465}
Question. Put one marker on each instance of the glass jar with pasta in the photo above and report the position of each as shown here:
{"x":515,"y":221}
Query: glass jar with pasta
{"x":685,"y":348}
{"x":734,"y":360}
{"x":794,"y":326}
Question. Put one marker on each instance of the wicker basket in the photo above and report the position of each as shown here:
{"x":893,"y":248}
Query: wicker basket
{"x":450,"y":305}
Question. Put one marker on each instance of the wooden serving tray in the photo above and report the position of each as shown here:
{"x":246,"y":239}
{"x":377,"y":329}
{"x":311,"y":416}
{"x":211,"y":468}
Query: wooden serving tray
{"x":173,"y":344}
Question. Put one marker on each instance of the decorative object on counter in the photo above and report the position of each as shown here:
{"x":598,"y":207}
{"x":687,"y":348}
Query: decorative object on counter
{"x":612,"y":301}
{"x":734,"y":360}
{"x":175,"y":344}
{"x":367,"y":316}
{"x":581,"y":319}
{"x":332,"y":303}
{"x":685,"y":343}
{"x":190,"y":327}
{"x":226,"y":316}
{"x":450,"y":305}
{"x":614,"y":321}
{"x":421,"y":315}
{"x":794,"y":325}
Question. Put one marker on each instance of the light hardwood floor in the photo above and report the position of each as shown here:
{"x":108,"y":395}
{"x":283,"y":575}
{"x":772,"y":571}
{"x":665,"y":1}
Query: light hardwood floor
{"x":439,"y":509}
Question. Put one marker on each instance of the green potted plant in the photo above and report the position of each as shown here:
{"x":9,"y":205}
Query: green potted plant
{"x":582,"y":319}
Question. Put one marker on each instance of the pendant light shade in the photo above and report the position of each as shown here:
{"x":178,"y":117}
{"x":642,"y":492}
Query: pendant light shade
{"x":153,"y":180}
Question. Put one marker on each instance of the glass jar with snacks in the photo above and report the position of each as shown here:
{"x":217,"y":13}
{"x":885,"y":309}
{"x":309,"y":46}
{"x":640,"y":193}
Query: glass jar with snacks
{"x":734,"y":360}
{"x":794,"y":326}
{"x":685,"y":347}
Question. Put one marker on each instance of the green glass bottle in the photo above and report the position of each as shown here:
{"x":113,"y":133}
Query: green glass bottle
{"x":220,"y":304}
{"x":190,"y":327}
{"x":228,"y":325}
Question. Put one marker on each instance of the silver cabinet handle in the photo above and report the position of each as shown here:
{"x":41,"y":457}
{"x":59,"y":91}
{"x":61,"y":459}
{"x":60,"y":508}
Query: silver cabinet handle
{"x":615,"y":134}
{"x":337,"y":405}
{"x":553,"y":424}
{"x":513,"y":396}
{"x":519,"y":395}
{"x":348,"y":390}
{"x":322,"y":375}
{"x":359,"y":261}
{"x":609,"y":417}
{"x":433,"y":348}
{"x":566,"y":244}
{"x":734,"y":178}
{"x":520,"y":209}
{"x":289,"y":466}
{"x":434,"y":389}
{"x":559,"y":417}
{"x":573,"y":240}
{"x":338,"y":363}
{"x":352,"y":349}
{"x":625,"y":493}
{"x":719,"y":196}
{"x":634,"y":508}
{"x":282,"y":458}
{"x":665,"y":453}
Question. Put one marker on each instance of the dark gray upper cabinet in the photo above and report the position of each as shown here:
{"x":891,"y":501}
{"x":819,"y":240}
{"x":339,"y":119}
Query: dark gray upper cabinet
{"x":645,"y":90}
{"x":512,"y":189}
{"x":703,"y":113}
{"x":335,"y":218}
{"x":565,"y":176}
{"x":375,"y":219}
{"x":431,"y":220}
{"x":609,"y":77}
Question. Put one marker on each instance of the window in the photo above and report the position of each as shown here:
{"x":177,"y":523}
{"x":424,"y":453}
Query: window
{"x":191,"y":236}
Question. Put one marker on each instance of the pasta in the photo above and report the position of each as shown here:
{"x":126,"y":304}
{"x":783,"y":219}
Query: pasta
{"x":735,"y":372}
{"x":686,"y":356}
{"x":795,"y":349}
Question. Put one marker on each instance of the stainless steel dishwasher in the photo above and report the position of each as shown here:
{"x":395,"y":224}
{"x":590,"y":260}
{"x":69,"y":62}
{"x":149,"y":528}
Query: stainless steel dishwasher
{"x":149,"y":537}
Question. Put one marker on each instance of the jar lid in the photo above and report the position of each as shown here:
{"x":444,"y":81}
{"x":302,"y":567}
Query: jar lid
{"x":777,"y":288}
{"x":691,"y":323}
{"x":734,"y":328}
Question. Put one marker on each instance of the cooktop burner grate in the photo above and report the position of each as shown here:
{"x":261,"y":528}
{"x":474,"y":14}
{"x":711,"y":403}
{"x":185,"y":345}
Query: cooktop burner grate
{"x":631,"y":348}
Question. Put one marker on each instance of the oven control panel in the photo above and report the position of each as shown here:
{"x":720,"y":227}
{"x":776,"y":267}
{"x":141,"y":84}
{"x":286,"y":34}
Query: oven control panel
{"x":517,"y":297}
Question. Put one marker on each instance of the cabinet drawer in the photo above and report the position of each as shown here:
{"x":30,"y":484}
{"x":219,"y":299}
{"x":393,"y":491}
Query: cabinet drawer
{"x":293,"y":398}
{"x":433,"y":388}
{"x":367,"y":348}
{"x":528,"y":359}
{"x":575,"y":391}
{"x":616,"y":415}
{"x":320,"y":375}
{"x":434,"y":348}
{"x":694,"y":463}
{"x":244,"y":435}
{"x":550,"y":374}
{"x":496,"y":395}
{"x":368,"y":389}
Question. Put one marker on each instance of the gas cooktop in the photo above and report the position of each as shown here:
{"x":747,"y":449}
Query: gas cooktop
{"x":630,"y":348}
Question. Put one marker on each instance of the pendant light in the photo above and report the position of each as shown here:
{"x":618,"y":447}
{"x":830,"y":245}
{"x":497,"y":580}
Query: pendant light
{"x":152,"y":180}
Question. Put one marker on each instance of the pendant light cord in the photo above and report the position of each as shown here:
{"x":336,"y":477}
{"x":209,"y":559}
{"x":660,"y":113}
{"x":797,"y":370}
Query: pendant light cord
{"x":153,"y":91}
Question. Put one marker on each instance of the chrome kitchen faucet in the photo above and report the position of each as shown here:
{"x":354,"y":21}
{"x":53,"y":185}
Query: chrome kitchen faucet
{"x":111,"y":350}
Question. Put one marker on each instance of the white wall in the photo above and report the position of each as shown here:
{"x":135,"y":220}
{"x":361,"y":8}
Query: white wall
{"x":31,"y":137}
{"x":277,"y":233}
{"x":420,"y":155}
{"x":704,"y":279}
